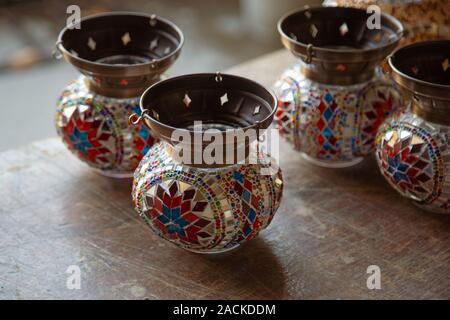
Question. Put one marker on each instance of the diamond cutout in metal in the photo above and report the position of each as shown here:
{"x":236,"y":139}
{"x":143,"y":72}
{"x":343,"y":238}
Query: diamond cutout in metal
{"x":257,"y":109}
{"x":167,"y":50}
{"x":378,"y":37}
{"x":91,"y":44}
{"x":155,"y":114}
{"x":187,"y":100}
{"x":126,"y":38}
{"x":343,"y":29}
{"x":308,"y":14}
{"x":445,"y":65}
{"x":223,"y":99}
{"x":154,"y":44}
{"x":73,"y":52}
{"x":293,"y":36}
{"x":313,"y":30}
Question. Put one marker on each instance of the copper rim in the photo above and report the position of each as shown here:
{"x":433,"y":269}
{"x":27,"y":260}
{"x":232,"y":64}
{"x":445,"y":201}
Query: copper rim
{"x":321,"y":53}
{"x":224,"y":102}
{"x":121,"y":53}
{"x":136,"y":69}
{"x":422,"y":70}
{"x":425,"y":53}
{"x":208,"y":81}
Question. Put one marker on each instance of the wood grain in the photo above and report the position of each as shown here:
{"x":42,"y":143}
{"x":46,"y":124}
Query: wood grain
{"x":332,"y":224}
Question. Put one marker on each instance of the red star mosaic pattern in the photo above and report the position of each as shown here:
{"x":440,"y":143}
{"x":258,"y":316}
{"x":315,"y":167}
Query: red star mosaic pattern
{"x":88,"y":136}
{"x":204,"y":211}
{"x":177,"y":214}
{"x":381,"y":101}
{"x":407,"y":166}
{"x":411,"y":154}
{"x":95,"y":128}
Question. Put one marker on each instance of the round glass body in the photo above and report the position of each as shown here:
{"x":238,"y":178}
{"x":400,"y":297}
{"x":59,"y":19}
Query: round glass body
{"x":414,"y":156}
{"x":333,"y":125}
{"x":95,"y":128}
{"x":119,"y":55}
{"x":205,"y":210}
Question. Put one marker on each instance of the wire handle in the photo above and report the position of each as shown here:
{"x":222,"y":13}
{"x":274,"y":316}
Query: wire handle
{"x":56,"y":53}
{"x":134,"y":119}
{"x":218,"y":77}
{"x":309,"y":54}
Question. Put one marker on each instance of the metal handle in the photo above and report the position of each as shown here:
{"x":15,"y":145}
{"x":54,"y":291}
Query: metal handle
{"x":135,"y":119}
{"x":153,"y":20}
{"x":309,"y":54}
{"x":259,"y":137}
{"x":154,"y":63}
{"x":218,"y":77}
{"x":56,"y":53}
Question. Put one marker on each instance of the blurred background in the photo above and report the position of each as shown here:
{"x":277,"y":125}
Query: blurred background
{"x":219,"y":34}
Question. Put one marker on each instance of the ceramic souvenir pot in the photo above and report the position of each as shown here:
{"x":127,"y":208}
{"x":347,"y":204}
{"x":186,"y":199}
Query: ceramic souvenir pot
{"x":202,"y":205}
{"x":119,"y":55}
{"x":413,"y":149}
{"x":332,"y":102}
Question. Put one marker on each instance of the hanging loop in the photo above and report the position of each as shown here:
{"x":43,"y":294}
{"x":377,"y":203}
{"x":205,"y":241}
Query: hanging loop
{"x":218,"y":77}
{"x":309,"y":53}
{"x":56,"y":53}
{"x":135,"y":119}
{"x":259,"y":137}
{"x":153,"y":20}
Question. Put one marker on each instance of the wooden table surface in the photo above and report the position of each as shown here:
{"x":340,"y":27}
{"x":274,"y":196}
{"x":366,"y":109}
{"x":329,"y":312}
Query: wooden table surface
{"x":332,"y":224}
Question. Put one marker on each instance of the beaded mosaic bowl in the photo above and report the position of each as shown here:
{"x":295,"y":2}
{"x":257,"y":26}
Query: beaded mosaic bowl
{"x":413,"y":149}
{"x":119,"y":55}
{"x":202,"y":206}
{"x":331,"y":104}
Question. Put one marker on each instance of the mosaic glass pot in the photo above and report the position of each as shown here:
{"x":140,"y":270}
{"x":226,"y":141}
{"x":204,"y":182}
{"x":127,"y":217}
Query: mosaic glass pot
{"x":119,"y":55}
{"x":332,"y":102}
{"x":413,"y":149}
{"x":422,"y":19}
{"x":204,"y":206}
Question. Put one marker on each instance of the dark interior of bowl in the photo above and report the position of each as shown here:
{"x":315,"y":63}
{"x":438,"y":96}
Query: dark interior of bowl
{"x":233,"y":102}
{"x":425,"y":61}
{"x":338,"y":28}
{"x":122,"y":39}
